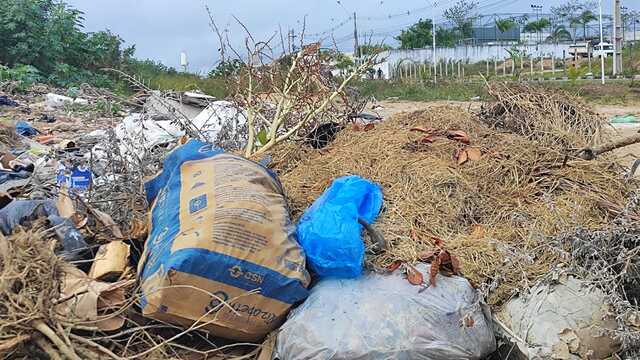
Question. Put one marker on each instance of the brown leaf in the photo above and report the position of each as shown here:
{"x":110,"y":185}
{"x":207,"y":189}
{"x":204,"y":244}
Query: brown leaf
{"x":426,"y":139}
{"x":437,"y":241}
{"x":357,"y":127}
{"x":433,"y":272}
{"x":426,"y":255}
{"x":455,"y":264}
{"x":394,"y":266}
{"x":423,"y":130}
{"x":460,"y":156}
{"x":369,"y":127}
{"x":414,"y":276}
{"x":458,"y":135}
{"x":474,"y":153}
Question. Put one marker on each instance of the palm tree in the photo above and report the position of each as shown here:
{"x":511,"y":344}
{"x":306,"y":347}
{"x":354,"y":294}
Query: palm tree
{"x":504,"y":25}
{"x":585,"y":18}
{"x":559,"y":33}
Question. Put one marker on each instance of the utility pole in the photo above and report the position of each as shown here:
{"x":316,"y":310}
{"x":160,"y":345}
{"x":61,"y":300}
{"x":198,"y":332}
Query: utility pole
{"x":617,"y":44}
{"x":601,"y":43}
{"x":356,"y":48}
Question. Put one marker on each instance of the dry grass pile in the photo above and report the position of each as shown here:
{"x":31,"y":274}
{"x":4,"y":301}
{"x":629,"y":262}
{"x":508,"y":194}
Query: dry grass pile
{"x":548,"y":116}
{"x":493,"y":211}
{"x":35,"y":324}
{"x":30,"y":276}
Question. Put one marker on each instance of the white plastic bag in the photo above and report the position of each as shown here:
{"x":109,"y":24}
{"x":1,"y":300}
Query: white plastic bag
{"x":384,"y":317}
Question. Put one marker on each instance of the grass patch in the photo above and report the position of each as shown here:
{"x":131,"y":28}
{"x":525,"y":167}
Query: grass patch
{"x":381,"y":90}
{"x":186,"y":82}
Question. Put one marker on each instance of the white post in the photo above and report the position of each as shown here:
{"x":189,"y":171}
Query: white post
{"x":531,"y":66}
{"x":601,"y":41}
{"x":446,"y":68}
{"x":433,"y":51}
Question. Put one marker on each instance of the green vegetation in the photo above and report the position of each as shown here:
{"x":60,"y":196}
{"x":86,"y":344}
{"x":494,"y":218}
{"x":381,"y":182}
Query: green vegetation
{"x":367,"y":50}
{"x":537,"y":25}
{"x":44,"y":41}
{"x":382,"y":90}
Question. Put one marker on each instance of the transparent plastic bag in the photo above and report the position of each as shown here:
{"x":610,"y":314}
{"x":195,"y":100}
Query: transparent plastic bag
{"x":384,"y":317}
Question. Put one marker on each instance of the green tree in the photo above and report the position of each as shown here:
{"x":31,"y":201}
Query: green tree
{"x":461,"y":15}
{"x":504,"y":25}
{"x":418,"y":36}
{"x":226,"y":68}
{"x":445,"y":37}
{"x":369,"y":49}
{"x":585,"y":17}
{"x":537,"y":25}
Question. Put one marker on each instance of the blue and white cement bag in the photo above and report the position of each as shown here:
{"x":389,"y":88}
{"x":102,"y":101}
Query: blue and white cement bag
{"x":220,"y":228}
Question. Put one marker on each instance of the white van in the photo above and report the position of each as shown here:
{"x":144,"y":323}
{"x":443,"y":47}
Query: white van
{"x":603,"y":48}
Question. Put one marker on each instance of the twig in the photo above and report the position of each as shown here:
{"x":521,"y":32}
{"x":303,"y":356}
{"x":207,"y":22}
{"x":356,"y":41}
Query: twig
{"x":95,"y":345}
{"x":49,"y":333}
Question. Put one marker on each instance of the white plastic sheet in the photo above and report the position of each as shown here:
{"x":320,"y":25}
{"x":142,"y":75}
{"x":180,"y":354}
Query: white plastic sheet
{"x":384,"y":317}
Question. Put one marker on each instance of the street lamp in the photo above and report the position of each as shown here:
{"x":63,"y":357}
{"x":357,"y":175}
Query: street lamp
{"x":537,"y":9}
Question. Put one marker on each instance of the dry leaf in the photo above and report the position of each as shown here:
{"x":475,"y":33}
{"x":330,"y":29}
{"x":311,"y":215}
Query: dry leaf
{"x":474,"y":153}
{"x":460,"y":156}
{"x":458,"y":135}
{"x":428,"y":139}
{"x":455,"y":264}
{"x":357,"y":127}
{"x":426,"y":255}
{"x":437,"y":241}
{"x":108,"y":222}
{"x":414,"y":276}
{"x":394,"y":266}
{"x":423,"y":130}
{"x":433,"y":272}
{"x":369,"y":127}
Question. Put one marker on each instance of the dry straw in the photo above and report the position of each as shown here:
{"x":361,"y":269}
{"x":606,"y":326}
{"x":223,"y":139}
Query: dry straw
{"x":493,"y":213}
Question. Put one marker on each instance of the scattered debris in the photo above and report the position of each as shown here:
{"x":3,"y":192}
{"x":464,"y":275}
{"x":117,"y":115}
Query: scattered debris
{"x":5,"y":101}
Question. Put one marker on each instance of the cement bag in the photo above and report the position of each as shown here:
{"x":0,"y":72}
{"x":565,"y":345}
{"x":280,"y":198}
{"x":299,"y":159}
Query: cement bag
{"x":329,"y":230}
{"x":384,"y":317}
{"x":220,"y":228}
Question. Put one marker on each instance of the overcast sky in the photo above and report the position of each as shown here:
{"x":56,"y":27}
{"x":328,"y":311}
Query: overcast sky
{"x":161,"y":29}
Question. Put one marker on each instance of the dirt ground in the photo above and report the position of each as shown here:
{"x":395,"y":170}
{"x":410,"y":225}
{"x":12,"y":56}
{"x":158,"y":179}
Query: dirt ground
{"x":626,"y":155}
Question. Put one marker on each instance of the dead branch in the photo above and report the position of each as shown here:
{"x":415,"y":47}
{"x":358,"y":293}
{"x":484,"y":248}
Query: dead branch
{"x":592,"y":153}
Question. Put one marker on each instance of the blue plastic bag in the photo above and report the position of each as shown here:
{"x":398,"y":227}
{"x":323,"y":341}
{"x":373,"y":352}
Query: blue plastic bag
{"x":329,"y":231}
{"x":25,"y":129}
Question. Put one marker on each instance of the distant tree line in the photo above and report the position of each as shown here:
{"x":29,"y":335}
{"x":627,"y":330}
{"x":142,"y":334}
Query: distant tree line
{"x":46,"y":39}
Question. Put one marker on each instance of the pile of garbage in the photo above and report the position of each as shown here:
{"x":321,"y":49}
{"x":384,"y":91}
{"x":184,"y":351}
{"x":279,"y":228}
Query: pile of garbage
{"x":431,"y":235}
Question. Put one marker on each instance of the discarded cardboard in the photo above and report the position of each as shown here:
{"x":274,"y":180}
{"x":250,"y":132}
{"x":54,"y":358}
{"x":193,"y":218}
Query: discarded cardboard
{"x":110,"y":262}
{"x":93,"y":301}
